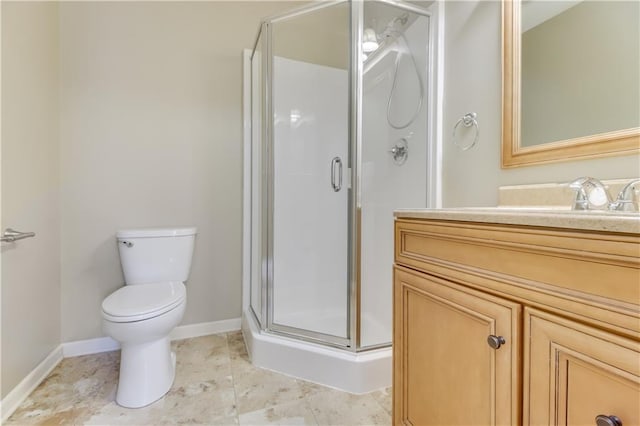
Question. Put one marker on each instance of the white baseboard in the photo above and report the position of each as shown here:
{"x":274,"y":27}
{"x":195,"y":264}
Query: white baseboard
{"x":18,"y":394}
{"x":205,"y":328}
{"x":104,"y":344}
{"x":93,"y":346}
{"x":89,"y":346}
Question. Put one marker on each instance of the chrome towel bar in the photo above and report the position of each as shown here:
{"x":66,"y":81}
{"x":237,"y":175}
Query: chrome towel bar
{"x":11,"y":235}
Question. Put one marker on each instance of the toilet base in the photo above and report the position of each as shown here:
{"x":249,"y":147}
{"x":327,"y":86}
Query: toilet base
{"x":147,"y":371}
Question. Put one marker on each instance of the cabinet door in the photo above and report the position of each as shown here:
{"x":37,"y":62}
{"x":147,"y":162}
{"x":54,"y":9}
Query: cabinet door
{"x":445,"y":372}
{"x":573,"y":373}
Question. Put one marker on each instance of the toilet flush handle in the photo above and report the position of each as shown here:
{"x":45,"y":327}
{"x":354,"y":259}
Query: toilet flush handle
{"x":127,"y":243}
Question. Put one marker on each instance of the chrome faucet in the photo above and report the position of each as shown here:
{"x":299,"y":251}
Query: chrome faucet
{"x":627,"y":200}
{"x":591,"y":194}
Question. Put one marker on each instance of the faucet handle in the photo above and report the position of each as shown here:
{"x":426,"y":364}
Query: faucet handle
{"x":590,"y":193}
{"x":628,"y":197}
{"x":579,"y":183}
{"x":580,"y":202}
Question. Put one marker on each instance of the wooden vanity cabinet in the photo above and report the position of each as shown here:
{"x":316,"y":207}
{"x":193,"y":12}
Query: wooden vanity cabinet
{"x":441,"y":351}
{"x":571,"y":340}
{"x":586,"y":372}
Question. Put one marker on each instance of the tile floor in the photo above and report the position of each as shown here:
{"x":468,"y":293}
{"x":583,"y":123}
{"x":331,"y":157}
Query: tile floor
{"x":215,"y":385}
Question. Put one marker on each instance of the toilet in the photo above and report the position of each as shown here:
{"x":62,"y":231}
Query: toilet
{"x":141,"y":314}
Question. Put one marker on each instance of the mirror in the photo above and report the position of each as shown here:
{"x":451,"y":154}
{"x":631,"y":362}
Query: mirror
{"x":570,"y":80}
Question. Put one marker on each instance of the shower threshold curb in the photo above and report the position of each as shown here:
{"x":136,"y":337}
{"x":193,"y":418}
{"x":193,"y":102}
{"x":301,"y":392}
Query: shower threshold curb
{"x":356,"y":373}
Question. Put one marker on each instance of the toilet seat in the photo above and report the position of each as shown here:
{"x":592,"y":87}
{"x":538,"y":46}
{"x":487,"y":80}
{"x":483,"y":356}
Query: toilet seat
{"x":143,"y":301}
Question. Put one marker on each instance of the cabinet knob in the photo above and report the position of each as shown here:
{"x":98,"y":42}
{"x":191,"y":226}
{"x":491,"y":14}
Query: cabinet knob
{"x":602,"y":420}
{"x":496,"y":341}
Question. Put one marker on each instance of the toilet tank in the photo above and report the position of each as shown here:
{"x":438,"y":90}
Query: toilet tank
{"x":156,"y":254}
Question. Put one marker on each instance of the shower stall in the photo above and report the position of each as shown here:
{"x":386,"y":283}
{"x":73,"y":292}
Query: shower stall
{"x":341,"y":107}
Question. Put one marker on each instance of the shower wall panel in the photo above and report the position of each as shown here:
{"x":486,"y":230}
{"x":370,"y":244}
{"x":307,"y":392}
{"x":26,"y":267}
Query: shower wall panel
{"x":387,"y":186}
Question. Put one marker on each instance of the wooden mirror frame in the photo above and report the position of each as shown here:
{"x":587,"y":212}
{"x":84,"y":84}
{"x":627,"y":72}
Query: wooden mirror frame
{"x":615,"y":143}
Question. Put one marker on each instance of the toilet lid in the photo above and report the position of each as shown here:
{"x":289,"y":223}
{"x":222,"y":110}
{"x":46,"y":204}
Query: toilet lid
{"x":142,"y":301}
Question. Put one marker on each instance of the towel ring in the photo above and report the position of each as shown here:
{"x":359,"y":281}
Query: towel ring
{"x":468,"y":120}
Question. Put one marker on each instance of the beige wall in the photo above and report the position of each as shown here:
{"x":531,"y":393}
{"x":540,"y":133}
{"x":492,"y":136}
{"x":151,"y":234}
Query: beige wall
{"x":30,"y":197}
{"x":151,"y":136}
{"x":321,"y":37}
{"x":473,"y":83}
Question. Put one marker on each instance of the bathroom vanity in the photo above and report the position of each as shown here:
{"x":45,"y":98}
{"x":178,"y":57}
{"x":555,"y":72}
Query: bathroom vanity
{"x":513,"y":316}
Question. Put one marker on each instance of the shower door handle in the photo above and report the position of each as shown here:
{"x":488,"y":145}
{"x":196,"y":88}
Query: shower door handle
{"x":336,"y":163}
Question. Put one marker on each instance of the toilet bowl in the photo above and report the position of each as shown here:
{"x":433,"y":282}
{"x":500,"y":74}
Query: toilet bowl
{"x":142,"y":314}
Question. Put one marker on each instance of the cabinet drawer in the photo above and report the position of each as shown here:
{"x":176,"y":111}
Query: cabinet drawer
{"x":589,"y":275}
{"x":445,"y":372}
{"x":574,"y":260}
{"x":574,"y":373}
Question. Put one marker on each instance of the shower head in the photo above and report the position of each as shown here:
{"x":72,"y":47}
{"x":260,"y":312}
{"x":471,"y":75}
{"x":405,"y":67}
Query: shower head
{"x":395,"y":27}
{"x":402,"y":19}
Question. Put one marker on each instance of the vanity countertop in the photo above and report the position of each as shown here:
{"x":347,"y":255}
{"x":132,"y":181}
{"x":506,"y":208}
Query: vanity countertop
{"x":593,"y":220}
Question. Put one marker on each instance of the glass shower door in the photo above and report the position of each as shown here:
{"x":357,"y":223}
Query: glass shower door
{"x":309,"y":193}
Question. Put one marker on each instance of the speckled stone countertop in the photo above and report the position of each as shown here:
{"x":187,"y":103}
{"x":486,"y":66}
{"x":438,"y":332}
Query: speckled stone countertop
{"x":593,"y":220}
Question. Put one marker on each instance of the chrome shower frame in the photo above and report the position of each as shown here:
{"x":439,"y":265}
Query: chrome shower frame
{"x":355,"y":74}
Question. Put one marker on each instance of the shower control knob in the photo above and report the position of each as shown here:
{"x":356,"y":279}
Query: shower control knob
{"x":400,"y":151}
{"x":496,"y":341}
{"x":602,"y":420}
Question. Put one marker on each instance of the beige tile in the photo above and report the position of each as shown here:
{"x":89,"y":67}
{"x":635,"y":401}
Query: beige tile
{"x":292,"y":413}
{"x":201,"y":359}
{"x":193,"y":372}
{"x":333,"y":407}
{"x":210,"y":402}
{"x":200,"y":346}
{"x":240,"y":362}
{"x":241,"y":365}
{"x":235,"y":337}
{"x":113,"y":414}
{"x":51,"y":417}
{"x":237,"y":347}
{"x":216,"y":384}
{"x":238,"y":351}
{"x":309,"y":388}
{"x":72,"y":390}
{"x":260,"y":389}
{"x":384,"y":398}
